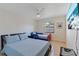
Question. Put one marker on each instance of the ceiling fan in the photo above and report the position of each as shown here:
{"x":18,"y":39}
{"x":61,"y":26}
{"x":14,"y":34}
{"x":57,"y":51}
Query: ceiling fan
{"x":39,"y":11}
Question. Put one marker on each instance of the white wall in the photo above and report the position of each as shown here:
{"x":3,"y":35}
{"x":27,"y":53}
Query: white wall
{"x":59,"y":34}
{"x":12,"y":23}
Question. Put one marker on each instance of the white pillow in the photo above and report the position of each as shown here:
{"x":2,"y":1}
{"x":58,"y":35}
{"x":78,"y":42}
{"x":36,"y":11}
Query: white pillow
{"x":11,"y":39}
{"x":43,"y":36}
{"x":23,"y":36}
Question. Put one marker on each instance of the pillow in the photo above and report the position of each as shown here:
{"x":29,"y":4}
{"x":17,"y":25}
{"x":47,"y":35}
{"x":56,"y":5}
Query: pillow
{"x":39,"y":33}
{"x":23,"y":36}
{"x":35,"y":36}
{"x":33,"y":33}
{"x":11,"y":39}
{"x":43,"y":36}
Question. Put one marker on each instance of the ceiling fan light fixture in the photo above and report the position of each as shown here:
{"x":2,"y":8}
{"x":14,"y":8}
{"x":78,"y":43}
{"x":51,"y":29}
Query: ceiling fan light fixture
{"x":39,"y":11}
{"x":38,"y":15}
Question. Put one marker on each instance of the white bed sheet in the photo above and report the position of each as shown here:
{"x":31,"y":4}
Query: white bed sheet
{"x":27,"y":47}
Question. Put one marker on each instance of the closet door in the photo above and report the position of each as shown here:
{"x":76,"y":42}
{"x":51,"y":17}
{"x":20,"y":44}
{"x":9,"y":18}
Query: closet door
{"x":78,"y":40}
{"x":71,"y":39}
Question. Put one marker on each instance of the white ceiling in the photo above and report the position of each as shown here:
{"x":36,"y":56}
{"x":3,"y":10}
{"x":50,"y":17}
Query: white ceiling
{"x":29,"y":9}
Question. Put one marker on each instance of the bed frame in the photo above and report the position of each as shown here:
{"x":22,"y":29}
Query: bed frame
{"x":3,"y":42}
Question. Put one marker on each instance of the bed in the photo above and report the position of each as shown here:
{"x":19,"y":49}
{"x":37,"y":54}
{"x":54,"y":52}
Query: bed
{"x":26,"y":47}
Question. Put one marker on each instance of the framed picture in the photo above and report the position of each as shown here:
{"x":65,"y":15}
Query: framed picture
{"x":59,"y":25}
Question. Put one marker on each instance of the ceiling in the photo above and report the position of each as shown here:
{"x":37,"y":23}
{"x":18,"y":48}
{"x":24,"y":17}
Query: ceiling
{"x":29,"y":9}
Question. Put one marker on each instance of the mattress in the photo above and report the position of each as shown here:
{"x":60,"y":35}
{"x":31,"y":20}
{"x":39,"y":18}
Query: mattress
{"x":27,"y":47}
